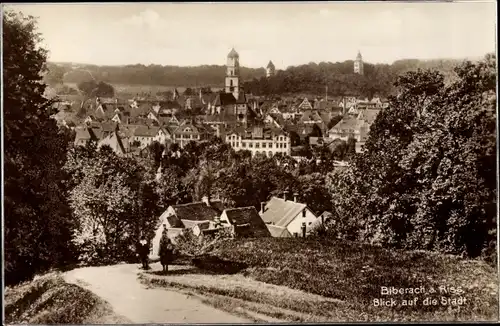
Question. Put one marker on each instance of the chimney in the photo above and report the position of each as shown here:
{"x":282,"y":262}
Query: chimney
{"x":284,"y":194}
{"x":295,"y":195}
{"x":262,"y":206}
{"x":303,"y":229}
{"x":206,"y":200}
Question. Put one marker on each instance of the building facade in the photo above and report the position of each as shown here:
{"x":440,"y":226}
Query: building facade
{"x":259,"y":140}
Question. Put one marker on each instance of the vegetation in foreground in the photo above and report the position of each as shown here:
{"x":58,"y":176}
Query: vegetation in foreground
{"x":355,"y":274}
{"x":50,"y":300}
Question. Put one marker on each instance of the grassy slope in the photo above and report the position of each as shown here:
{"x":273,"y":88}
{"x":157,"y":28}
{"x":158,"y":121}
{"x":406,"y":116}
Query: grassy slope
{"x":355,"y":273}
{"x":49,"y":300}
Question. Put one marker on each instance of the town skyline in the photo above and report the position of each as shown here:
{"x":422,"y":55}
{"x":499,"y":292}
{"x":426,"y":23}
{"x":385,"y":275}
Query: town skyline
{"x":192,"y":35}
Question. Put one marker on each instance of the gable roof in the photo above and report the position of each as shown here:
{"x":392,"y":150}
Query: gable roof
{"x":280,"y":212}
{"x":347,"y":124}
{"x":278,"y":231}
{"x":113,"y":141}
{"x":146,"y":131}
{"x":247,"y":222}
{"x":198,"y":211}
{"x":224,"y":99}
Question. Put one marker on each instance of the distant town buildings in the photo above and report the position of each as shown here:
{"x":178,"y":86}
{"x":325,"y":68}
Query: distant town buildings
{"x":358,"y":64}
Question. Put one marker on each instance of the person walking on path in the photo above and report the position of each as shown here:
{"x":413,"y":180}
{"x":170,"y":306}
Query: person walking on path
{"x":143,"y":253}
{"x":166,"y":251}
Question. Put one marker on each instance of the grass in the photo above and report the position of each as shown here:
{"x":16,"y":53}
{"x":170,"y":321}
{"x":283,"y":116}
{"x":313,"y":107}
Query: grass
{"x":48,"y":299}
{"x":237,"y":293}
{"x":354,"y":273}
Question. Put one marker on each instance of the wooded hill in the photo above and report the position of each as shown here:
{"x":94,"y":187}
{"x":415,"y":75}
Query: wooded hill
{"x":312,"y":78}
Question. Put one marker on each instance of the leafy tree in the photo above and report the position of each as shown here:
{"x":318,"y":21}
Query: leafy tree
{"x":425,"y":180}
{"x":93,"y":88}
{"x":37,"y":217}
{"x":188,"y":92}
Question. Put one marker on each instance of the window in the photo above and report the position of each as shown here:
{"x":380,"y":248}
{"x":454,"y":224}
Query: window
{"x":243,"y":144}
{"x":270,"y":153}
{"x":304,"y":213}
{"x":257,"y":145}
{"x":270,"y":145}
{"x":231,"y":83}
{"x":250,"y":145}
{"x":284,"y":145}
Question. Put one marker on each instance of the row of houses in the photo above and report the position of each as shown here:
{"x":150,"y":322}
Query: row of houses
{"x":279,"y":217}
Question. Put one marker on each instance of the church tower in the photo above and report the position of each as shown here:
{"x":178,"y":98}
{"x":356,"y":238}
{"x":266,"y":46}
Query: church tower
{"x":358,"y":64}
{"x":233,"y":74}
{"x":270,"y":69}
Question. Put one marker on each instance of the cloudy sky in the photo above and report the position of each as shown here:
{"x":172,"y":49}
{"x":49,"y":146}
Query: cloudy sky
{"x":286,"y":33}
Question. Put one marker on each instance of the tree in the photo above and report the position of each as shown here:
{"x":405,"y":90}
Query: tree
{"x":426,"y":178}
{"x":37,"y":217}
{"x":188,"y":92}
{"x":93,"y":88}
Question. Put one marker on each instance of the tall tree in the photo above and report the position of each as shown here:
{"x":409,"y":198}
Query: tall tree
{"x":426,"y":178}
{"x":37,"y":219}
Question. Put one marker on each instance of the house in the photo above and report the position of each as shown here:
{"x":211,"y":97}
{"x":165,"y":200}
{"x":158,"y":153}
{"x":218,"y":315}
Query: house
{"x":145,"y":135}
{"x":278,"y":231}
{"x":324,"y":220}
{"x":114,"y":141}
{"x":296,"y":217}
{"x":244,"y":222}
{"x":260,"y":140}
{"x":305,"y":104}
{"x":189,"y":131}
{"x":84,"y":135}
{"x":348,"y":127}
{"x":186,"y":216}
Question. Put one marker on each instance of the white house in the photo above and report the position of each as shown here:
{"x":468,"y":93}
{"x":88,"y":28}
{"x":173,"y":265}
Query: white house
{"x":289,"y":214}
{"x":266,"y":141}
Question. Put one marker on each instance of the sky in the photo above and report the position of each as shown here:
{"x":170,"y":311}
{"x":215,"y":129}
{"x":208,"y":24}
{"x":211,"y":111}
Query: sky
{"x":191,"y":34}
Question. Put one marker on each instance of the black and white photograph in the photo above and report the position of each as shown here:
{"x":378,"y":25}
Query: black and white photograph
{"x":249,"y":162}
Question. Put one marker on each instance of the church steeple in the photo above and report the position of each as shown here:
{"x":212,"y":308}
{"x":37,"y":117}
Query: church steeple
{"x":232,"y":84}
{"x":270,"y":69}
{"x":358,"y":64}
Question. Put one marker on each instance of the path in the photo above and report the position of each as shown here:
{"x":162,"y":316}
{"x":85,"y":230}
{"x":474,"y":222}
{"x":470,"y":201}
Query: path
{"x":119,"y":286}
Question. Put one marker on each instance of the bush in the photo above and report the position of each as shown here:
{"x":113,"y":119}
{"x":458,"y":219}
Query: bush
{"x":192,"y":245}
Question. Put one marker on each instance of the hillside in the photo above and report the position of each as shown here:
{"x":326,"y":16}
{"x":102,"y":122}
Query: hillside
{"x":355,"y":274}
{"x":48,"y":299}
{"x":206,"y":75}
{"x":311,"y":78}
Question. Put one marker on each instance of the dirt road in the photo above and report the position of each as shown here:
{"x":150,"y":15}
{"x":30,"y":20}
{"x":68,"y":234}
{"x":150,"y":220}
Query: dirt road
{"x":119,"y":286}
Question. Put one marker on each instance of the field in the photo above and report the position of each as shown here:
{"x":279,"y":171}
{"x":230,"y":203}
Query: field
{"x":124,"y":90}
{"x":354,"y":276}
{"x":50,"y":300}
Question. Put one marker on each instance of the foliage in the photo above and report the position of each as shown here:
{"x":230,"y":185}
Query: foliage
{"x":93,"y":88}
{"x":191,"y":245}
{"x":208,"y":75}
{"x":114,"y":202}
{"x":426,"y":179}
{"x":312,"y":78}
{"x":37,"y":218}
